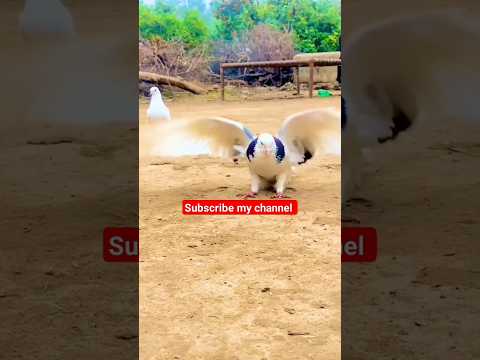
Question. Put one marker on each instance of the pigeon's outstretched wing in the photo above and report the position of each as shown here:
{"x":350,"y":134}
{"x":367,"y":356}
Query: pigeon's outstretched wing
{"x":213,"y":136}
{"x":311,"y":132}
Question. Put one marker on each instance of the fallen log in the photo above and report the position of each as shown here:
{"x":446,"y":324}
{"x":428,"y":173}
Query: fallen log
{"x":173,"y":81}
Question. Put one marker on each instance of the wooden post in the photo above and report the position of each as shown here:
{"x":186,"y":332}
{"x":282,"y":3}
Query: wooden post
{"x":297,"y":73}
{"x":310,"y":82}
{"x":222,"y":80}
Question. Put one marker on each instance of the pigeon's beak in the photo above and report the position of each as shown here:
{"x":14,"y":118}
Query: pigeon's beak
{"x":267,"y":151}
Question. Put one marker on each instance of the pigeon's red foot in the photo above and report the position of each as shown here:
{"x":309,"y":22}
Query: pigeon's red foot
{"x":250,"y":195}
{"x":280,"y":196}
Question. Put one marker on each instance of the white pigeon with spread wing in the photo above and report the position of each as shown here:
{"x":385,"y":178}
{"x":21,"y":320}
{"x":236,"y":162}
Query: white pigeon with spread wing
{"x":157,"y":110}
{"x":47,"y":19}
{"x":403,"y":73}
{"x":271,"y":159}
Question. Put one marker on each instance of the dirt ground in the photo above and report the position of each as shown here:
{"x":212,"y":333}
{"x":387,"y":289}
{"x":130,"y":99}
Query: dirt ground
{"x":421,"y":195}
{"x":233,"y":287}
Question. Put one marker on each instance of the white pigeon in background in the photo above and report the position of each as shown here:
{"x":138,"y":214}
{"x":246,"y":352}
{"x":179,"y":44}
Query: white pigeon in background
{"x":271,"y":159}
{"x":46,"y":20}
{"x":157,"y":109}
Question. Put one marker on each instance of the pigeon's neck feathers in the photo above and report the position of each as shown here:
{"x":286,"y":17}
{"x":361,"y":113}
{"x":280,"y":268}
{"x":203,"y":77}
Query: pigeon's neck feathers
{"x":280,"y":150}
{"x":251,"y":149}
{"x":255,"y":147}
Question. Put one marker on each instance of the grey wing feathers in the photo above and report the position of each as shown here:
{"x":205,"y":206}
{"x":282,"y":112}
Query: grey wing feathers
{"x":250,"y":135}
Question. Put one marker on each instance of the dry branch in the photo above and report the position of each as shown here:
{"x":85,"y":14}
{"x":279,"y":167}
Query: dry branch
{"x":173,"y":81}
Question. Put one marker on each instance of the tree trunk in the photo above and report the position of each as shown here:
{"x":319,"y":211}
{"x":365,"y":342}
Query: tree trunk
{"x":173,"y":81}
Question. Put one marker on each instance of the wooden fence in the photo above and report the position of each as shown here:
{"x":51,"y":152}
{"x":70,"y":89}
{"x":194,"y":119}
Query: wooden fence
{"x":297,"y":64}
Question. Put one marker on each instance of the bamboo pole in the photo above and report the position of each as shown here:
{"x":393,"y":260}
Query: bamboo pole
{"x":297,"y":73}
{"x":310,"y":80}
{"x":283,"y":63}
{"x":222,"y":80}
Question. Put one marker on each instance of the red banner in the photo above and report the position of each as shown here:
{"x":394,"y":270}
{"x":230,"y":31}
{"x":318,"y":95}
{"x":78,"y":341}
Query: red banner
{"x":240,"y":207}
{"x":121,"y":244}
{"x":359,"y":244}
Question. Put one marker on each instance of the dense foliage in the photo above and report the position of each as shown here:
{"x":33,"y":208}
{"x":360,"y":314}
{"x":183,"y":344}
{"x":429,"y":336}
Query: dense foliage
{"x":191,"y":29}
{"x":314,"y":24}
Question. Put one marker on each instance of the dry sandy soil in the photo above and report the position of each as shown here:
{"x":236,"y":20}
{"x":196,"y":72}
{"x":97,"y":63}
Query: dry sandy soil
{"x":421,"y":194}
{"x":234,"y":287}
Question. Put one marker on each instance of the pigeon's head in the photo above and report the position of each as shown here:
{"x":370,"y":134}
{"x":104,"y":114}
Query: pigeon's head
{"x":266,"y":144}
{"x":155,"y":91}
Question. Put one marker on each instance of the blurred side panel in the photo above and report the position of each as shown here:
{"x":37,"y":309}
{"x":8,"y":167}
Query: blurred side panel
{"x":69,"y":139}
{"x":410,"y":170}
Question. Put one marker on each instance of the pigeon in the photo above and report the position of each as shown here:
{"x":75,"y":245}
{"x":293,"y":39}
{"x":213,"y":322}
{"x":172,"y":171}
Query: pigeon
{"x":46,"y":20}
{"x":157,"y":109}
{"x":271,"y":159}
{"x":86,"y":95}
{"x":403,"y":72}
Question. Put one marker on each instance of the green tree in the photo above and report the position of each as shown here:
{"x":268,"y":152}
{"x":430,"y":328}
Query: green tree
{"x":196,"y":30}
{"x":315,"y":23}
{"x":154,"y":23}
{"x":234,"y":17}
{"x":160,"y":21}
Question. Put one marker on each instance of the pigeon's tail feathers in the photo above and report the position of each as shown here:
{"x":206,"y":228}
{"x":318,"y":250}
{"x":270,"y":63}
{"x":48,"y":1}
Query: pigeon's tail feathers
{"x":218,"y":137}
{"x":310,"y":133}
